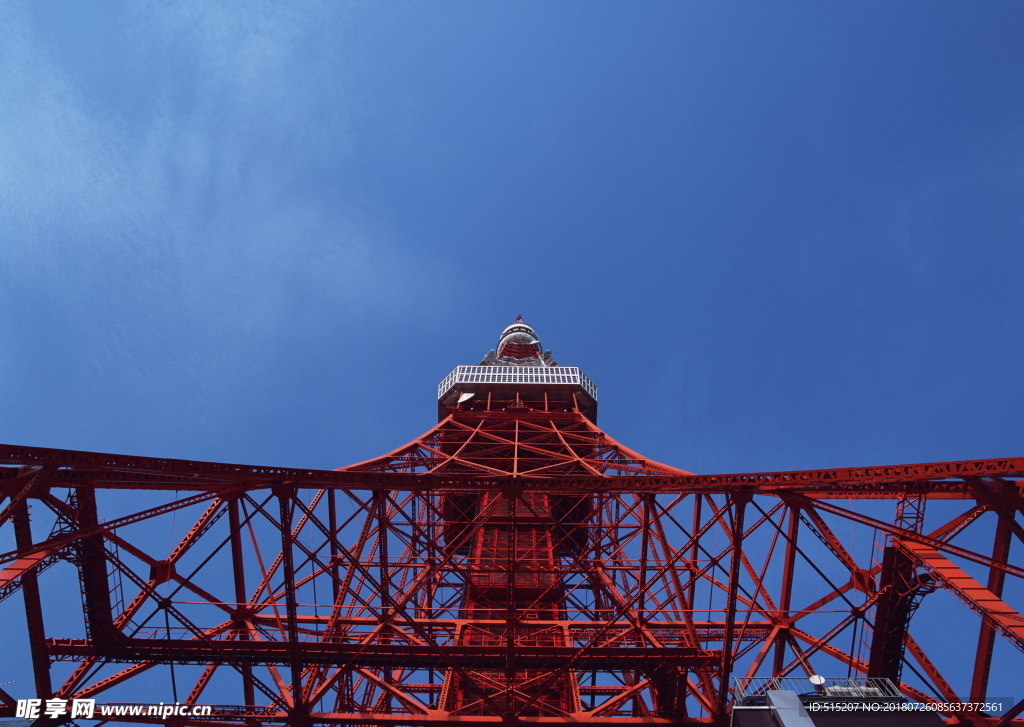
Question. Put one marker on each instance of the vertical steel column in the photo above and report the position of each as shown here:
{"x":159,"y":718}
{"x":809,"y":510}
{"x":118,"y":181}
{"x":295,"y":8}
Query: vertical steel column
{"x":512,"y":501}
{"x":695,"y":551}
{"x":645,"y":538}
{"x":788,"y":567}
{"x":382,"y":553}
{"x":385,"y":580}
{"x":892,"y":614}
{"x":33,"y":606}
{"x":332,"y":526}
{"x":739,"y":501}
{"x":92,"y":568}
{"x":284,"y":497}
{"x":895,"y":605}
{"x":241,"y":600}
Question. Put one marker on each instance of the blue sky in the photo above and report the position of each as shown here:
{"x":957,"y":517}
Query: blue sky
{"x":777,"y":235}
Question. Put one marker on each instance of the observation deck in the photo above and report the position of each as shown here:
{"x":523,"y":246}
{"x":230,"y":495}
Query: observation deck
{"x":490,"y":375}
{"x":562,"y":385}
{"x":518,"y":375}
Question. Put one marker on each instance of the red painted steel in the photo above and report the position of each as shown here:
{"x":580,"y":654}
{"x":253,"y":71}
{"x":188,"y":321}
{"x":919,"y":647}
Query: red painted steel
{"x":993,"y":609}
{"x":514,"y":564}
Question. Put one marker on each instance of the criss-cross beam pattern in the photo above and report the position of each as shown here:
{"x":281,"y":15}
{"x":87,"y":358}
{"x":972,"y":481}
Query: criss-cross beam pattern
{"x":516,"y":568}
{"x":531,"y":445}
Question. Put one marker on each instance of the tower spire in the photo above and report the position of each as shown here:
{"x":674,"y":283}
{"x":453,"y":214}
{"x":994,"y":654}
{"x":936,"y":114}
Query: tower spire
{"x":518,"y":345}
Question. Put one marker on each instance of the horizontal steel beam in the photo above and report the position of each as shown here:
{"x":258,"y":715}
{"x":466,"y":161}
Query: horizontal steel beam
{"x":226,"y":717}
{"x":74,"y":468}
{"x":385,"y":655}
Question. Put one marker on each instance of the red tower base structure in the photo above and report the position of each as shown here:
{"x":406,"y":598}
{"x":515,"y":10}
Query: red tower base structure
{"x":513,"y":565}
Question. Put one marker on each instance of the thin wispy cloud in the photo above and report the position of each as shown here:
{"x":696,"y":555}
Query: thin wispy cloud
{"x":202,"y":206}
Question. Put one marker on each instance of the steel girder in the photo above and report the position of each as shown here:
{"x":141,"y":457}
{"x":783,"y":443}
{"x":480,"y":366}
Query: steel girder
{"x":305,"y":596}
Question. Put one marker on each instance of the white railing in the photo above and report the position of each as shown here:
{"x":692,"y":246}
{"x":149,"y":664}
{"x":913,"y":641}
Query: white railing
{"x":568,"y":375}
{"x":857,"y":687}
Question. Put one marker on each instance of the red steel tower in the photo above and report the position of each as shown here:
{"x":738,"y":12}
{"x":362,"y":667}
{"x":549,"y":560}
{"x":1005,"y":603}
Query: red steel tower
{"x":512,"y":565}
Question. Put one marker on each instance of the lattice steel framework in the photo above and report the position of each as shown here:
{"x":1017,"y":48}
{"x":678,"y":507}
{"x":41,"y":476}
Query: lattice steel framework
{"x":514,"y":564}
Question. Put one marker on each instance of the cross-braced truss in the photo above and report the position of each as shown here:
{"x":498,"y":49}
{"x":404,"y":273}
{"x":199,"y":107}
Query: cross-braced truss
{"x":517,"y":444}
{"x":516,"y":567}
